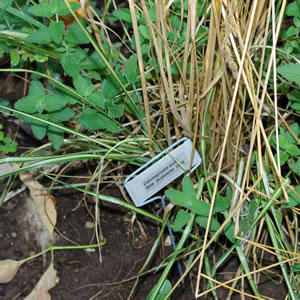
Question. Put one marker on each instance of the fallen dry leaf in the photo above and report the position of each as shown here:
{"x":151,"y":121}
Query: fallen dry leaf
{"x":8,"y":269}
{"x":43,"y":200}
{"x":46,"y":283}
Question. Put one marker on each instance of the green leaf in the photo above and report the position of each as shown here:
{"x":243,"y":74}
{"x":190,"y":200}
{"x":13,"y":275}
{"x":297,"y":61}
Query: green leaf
{"x":56,"y":136}
{"x":197,"y":206}
{"x":295,"y":268}
{"x":181,"y":220}
{"x":57,"y":30}
{"x":75,"y":35}
{"x":296,"y":107}
{"x":6,"y":146}
{"x":93,"y":62}
{"x":229,"y":231}
{"x":130,"y":69}
{"x":55,"y":102}
{"x":187,"y":187}
{"x":163,"y":292}
{"x":114,"y":110}
{"x":91,"y":120}
{"x":252,"y":208}
{"x":292,"y":31}
{"x":283,"y":143}
{"x":283,"y":157}
{"x":41,"y":10}
{"x":122,"y":14}
{"x":14,"y":57}
{"x":83,"y":85}
{"x":221,"y":204}
{"x":214,"y":224}
{"x":36,"y":88}
{"x":98,"y":99}
{"x":293,"y":150}
{"x":39,"y":129}
{"x":41,"y":36}
{"x":26,"y":104}
{"x":63,"y":115}
{"x":294,"y":198}
{"x":290,"y":72}
{"x":295,"y":128}
{"x":293,"y":9}
{"x":110,"y":87}
{"x":40,"y":103}
{"x":70,"y":65}
{"x":5,"y":4}
{"x":62,"y":9}
{"x":145,"y":32}
{"x":296,"y":167}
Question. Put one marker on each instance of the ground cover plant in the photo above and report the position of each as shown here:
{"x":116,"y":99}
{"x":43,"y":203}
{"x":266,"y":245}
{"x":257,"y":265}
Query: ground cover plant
{"x":111,"y":87}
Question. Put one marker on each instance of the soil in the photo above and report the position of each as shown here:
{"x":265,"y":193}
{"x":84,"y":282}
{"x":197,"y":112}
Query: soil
{"x":81,"y":274}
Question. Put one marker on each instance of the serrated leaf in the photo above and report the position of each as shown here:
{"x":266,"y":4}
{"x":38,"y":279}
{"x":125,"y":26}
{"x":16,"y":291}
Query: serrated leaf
{"x":56,"y":136}
{"x":114,"y":110}
{"x":91,"y":120}
{"x":40,"y":103}
{"x":293,"y":9}
{"x":26,"y":104}
{"x":70,"y":65}
{"x":93,"y":62}
{"x":62,"y":115}
{"x":290,"y":72}
{"x":98,"y":99}
{"x":39,"y":129}
{"x":41,"y":10}
{"x":130,"y":69}
{"x":221,"y":204}
{"x":57,"y":30}
{"x":187,"y":187}
{"x":295,"y":268}
{"x":296,"y":167}
{"x":110,"y":87}
{"x":294,"y":198}
{"x":292,"y":31}
{"x":293,"y":150}
{"x":229,"y":231}
{"x":82,"y":85}
{"x":197,"y":206}
{"x":75,"y":35}
{"x":122,"y":14}
{"x":62,"y":9}
{"x":214,"y":224}
{"x":41,"y":36}
{"x":36,"y":88}
{"x":55,"y":102}
{"x":181,"y":220}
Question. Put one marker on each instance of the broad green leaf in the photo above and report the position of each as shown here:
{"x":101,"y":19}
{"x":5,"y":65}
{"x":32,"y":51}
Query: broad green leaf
{"x":283,"y":143}
{"x":93,"y":62}
{"x":26,"y":104}
{"x":221,"y":204}
{"x":55,"y":102}
{"x":283,"y":157}
{"x":36,"y":88}
{"x":40,"y":103}
{"x":75,"y":35}
{"x":41,"y":36}
{"x":290,"y":72}
{"x":145,"y":32}
{"x":229,"y":231}
{"x":214,"y":224}
{"x":163,"y":292}
{"x":295,"y":268}
{"x":181,"y":219}
{"x":110,"y":87}
{"x":130,"y":69}
{"x":98,"y":99}
{"x":61,"y":9}
{"x":296,"y":129}
{"x":122,"y":14}
{"x":7,"y":146}
{"x":293,"y":9}
{"x":91,"y":120}
{"x":70,"y":65}
{"x":39,"y":129}
{"x":292,"y":31}
{"x":41,"y":10}
{"x":62,"y":115}
{"x":187,"y":187}
{"x":56,"y":136}
{"x":57,"y":30}
{"x":14,"y":57}
{"x":114,"y":110}
{"x":82,"y":85}
{"x":293,"y":150}
{"x":294,"y":198}
{"x":296,"y":107}
{"x":252,"y":208}
{"x":296,"y":167}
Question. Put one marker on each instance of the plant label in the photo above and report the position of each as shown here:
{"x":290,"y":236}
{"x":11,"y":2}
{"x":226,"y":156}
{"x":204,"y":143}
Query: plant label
{"x":160,"y":171}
